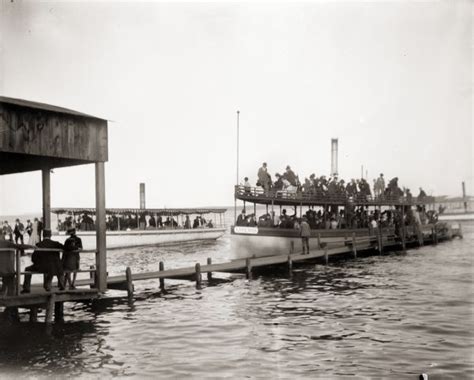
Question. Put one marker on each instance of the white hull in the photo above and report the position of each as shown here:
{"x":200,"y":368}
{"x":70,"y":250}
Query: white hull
{"x":258,"y":244}
{"x":123,"y":239}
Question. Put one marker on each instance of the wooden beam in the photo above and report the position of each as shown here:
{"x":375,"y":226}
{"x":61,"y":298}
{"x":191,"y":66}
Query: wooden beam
{"x":46,"y":180}
{"x":101,"y":254}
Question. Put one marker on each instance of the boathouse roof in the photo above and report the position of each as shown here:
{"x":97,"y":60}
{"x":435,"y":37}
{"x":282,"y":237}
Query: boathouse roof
{"x":38,"y":136}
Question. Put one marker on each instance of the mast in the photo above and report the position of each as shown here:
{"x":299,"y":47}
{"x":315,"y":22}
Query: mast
{"x":237,"y":166}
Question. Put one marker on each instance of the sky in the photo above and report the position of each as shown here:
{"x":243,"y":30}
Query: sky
{"x":391,"y":80}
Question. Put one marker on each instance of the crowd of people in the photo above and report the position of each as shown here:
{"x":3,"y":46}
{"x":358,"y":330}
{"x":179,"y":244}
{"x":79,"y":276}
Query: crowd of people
{"x":131,"y":221}
{"x":349,"y":217}
{"x":30,"y":234}
{"x":329,"y":186}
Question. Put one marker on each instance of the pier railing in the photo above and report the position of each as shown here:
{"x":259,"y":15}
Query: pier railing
{"x":297,"y":197}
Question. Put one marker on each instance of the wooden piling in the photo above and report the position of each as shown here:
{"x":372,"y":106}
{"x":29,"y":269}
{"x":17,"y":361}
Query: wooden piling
{"x":34,"y":314}
{"x":59,"y":312}
{"x":130,"y":287}
{"x":326,"y":256}
{"x":289,"y":263}
{"x":50,"y":309}
{"x":404,"y":246}
{"x":162,"y":280}
{"x":354,"y":248}
{"x":198,"y":276}
{"x":93,"y":277}
{"x":209,"y":274}
{"x":292,"y":247}
{"x":248,"y":268}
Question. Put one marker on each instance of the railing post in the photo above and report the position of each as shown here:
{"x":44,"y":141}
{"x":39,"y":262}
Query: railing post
{"x":319,"y":240}
{"x":292,"y":247}
{"x":198,"y":276}
{"x":130,"y":287}
{"x":162,"y":280}
{"x":248,"y":268}
{"x":209,"y":274}
{"x":354,"y":248}
{"x":50,"y":308}
{"x":18,"y":271}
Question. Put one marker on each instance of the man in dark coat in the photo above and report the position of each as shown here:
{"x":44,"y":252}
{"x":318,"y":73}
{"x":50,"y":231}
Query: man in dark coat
{"x":47,"y":262}
{"x":18,"y":231}
{"x":7,"y":270}
{"x":71,"y":257}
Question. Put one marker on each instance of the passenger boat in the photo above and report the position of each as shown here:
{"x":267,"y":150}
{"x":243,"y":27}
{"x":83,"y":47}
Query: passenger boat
{"x":258,"y":241}
{"x":139,"y":234}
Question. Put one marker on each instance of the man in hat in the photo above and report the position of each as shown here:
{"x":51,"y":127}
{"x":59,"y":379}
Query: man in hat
{"x":264,"y":177}
{"x":305,"y":233}
{"x":71,"y":257}
{"x":18,"y":231}
{"x":290,"y":176}
{"x":241,"y":219}
{"x":47,"y":262}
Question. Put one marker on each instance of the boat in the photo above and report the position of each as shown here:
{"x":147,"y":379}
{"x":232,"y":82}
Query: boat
{"x":130,"y":227}
{"x":259,"y":241}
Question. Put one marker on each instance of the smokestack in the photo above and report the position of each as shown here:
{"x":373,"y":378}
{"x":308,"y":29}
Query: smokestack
{"x":142,"y":196}
{"x":334,"y":157}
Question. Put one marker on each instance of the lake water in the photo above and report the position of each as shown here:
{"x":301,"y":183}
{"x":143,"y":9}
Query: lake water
{"x":392,"y":316}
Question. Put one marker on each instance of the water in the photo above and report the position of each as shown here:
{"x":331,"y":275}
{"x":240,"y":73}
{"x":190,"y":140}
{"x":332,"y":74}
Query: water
{"x":394,"y":316}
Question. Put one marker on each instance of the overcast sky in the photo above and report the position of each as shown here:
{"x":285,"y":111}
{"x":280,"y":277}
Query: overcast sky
{"x":391,"y":80}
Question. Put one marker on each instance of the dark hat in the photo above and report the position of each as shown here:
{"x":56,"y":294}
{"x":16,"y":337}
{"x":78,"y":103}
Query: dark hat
{"x":288,"y":167}
{"x":71,"y":230}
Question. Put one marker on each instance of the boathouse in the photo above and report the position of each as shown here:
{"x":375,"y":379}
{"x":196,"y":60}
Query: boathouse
{"x":36,"y":136}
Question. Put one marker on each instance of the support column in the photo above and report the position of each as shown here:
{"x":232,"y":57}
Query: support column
{"x":101,"y":253}
{"x":46,"y":179}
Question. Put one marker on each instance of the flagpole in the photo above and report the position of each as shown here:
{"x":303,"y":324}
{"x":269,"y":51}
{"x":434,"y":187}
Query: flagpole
{"x":237,"y":164}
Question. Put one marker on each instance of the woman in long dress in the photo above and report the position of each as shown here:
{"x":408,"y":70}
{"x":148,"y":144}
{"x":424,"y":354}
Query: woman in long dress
{"x":34,"y":237}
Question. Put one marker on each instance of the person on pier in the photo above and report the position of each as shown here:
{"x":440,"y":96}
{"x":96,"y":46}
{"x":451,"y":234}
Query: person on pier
{"x":7,"y":273}
{"x":18,"y":231}
{"x":46,"y":262}
{"x":290,"y":176}
{"x":305,"y":233}
{"x":71,"y":257}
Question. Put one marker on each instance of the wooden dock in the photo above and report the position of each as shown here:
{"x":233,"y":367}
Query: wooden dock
{"x":87,"y":288}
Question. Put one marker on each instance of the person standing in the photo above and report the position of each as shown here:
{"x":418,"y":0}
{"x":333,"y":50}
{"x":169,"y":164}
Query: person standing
{"x":18,"y":231}
{"x":40,"y":229}
{"x":71,"y":257}
{"x":264,"y":177}
{"x":34,"y":238}
{"x":7,"y":231}
{"x":47,"y":262}
{"x":305,"y":233}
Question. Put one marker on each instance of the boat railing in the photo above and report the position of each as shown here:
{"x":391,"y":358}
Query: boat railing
{"x":258,"y":194}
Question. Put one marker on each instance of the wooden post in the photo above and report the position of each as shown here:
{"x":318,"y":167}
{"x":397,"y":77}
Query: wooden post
{"x":18,"y":271}
{"x":59,"y":312}
{"x":46,"y":179}
{"x":404,"y":246}
{"x":162,"y":280}
{"x":292,"y":247}
{"x":209,"y":274}
{"x":354,"y":248}
{"x":248,"y":267}
{"x":198,"y":276}
{"x":93,"y":277}
{"x":319,"y":240}
{"x":130,"y":287}
{"x":101,"y":254}
{"x":290,"y":263}
{"x":34,"y":314}
{"x":464,"y":196}
{"x":50,"y":308}
{"x":326,"y":256}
